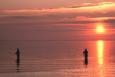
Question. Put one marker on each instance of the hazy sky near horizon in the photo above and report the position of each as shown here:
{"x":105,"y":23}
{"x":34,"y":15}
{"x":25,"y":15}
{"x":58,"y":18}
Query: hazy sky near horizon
{"x":21,"y":4}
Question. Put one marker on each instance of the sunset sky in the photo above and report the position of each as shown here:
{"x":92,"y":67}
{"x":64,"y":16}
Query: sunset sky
{"x":21,"y":4}
{"x":65,"y":11}
{"x":46,"y":12}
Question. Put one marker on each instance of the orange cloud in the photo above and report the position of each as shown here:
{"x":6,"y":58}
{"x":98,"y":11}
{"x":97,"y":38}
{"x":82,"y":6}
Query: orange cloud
{"x":87,"y":12}
{"x":87,"y":7}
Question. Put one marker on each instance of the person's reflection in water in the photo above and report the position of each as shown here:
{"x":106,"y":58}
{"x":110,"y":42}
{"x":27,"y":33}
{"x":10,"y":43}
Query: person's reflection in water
{"x":85,"y":54}
{"x":18,"y":59}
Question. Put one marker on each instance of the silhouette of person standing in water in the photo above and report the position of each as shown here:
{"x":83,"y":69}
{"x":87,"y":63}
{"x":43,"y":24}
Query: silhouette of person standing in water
{"x":18,"y":58}
{"x":85,"y":54}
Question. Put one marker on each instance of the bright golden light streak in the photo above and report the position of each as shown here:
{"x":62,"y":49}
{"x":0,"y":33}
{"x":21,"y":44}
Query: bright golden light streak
{"x":100,"y":49}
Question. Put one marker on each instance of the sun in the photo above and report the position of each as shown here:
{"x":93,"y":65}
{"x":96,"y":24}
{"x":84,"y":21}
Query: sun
{"x":100,"y":29}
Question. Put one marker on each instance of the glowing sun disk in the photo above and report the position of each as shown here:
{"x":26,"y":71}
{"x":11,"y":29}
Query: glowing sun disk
{"x":100,"y":29}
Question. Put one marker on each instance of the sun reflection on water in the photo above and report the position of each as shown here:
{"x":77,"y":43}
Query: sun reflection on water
{"x":100,"y":49}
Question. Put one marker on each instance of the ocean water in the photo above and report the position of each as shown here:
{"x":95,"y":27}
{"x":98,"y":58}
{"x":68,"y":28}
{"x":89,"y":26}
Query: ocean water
{"x":59,"y":56}
{"x":58,"y":49}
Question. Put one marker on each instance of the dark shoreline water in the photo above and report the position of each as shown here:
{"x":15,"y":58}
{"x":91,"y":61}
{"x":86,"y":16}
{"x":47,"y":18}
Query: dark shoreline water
{"x":60,"y":68}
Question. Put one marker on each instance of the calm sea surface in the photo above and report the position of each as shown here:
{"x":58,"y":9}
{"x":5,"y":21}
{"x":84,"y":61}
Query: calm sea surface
{"x":58,"y":48}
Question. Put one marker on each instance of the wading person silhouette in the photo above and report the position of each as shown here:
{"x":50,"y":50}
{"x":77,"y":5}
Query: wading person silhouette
{"x":85,"y":54}
{"x":18,"y":58}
